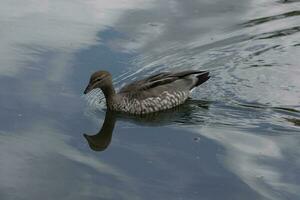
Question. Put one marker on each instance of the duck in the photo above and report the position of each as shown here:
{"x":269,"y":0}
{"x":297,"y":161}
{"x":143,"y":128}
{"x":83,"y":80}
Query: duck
{"x":155,"y":93}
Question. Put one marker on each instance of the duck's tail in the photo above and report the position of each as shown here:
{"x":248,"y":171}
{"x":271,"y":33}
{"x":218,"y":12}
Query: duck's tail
{"x":203,"y":77}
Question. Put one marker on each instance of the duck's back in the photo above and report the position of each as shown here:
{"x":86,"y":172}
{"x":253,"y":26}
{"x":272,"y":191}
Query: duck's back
{"x":159,"y":92}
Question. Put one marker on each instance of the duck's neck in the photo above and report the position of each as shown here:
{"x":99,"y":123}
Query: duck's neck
{"x":110,"y":95}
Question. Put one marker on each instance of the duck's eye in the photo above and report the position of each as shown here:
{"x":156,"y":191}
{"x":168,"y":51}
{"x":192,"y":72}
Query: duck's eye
{"x":97,"y":79}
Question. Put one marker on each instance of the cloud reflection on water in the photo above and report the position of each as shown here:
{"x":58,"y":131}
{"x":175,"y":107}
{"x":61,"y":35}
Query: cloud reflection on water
{"x":252,"y":157}
{"x":42,"y":163}
{"x":60,"y":26}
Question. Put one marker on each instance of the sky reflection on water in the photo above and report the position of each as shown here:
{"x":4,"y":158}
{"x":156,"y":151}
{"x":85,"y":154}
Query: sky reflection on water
{"x":238,"y":139}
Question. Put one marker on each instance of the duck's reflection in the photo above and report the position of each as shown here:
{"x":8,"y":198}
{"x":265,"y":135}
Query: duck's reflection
{"x":192,"y":112}
{"x":101,"y":140}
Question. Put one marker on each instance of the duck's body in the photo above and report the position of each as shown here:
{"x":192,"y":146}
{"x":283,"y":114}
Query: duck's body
{"x":155,"y":93}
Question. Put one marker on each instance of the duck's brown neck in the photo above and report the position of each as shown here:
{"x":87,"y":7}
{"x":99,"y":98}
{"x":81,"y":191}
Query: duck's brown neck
{"x":110,"y":94}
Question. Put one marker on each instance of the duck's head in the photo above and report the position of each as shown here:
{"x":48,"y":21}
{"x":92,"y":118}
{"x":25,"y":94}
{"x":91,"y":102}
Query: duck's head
{"x":99,"y":79}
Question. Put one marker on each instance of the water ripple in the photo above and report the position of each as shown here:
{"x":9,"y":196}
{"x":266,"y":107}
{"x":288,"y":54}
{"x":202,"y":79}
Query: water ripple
{"x":262,"y":20}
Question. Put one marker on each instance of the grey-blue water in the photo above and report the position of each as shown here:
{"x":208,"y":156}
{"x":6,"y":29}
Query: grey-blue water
{"x":238,"y":138}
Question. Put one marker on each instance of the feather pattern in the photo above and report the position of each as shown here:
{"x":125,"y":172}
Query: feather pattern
{"x":159,"y":92}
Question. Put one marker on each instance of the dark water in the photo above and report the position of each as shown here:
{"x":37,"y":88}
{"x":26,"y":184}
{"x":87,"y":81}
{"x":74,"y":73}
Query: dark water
{"x":238,"y":138}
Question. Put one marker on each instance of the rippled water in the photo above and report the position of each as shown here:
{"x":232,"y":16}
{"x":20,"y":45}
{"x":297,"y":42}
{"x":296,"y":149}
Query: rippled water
{"x":237,"y":138}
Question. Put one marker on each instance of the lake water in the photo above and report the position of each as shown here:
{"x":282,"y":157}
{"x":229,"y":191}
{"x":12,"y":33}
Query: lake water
{"x":237,"y":138}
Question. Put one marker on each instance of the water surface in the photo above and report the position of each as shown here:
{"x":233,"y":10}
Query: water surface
{"x":237,"y":138}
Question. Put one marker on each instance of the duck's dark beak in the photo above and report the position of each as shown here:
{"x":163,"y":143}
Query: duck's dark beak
{"x":88,"y":89}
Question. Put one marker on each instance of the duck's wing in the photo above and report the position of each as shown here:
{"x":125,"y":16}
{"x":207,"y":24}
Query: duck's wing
{"x":140,"y":84}
{"x":165,"y":79}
